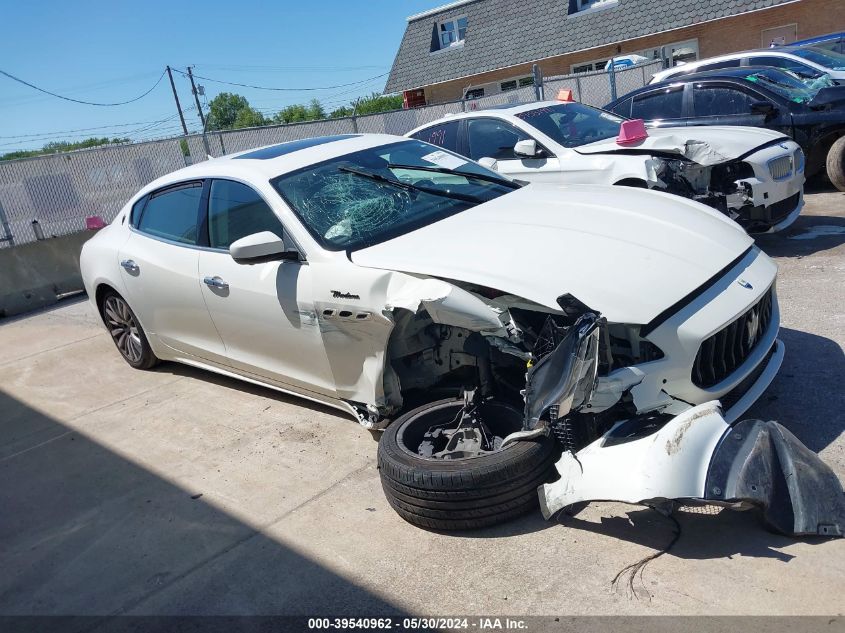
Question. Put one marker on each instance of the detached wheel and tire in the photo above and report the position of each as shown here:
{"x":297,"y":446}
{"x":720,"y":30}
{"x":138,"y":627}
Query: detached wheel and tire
{"x":836,"y":163}
{"x":463,"y":493}
{"x":126,"y":331}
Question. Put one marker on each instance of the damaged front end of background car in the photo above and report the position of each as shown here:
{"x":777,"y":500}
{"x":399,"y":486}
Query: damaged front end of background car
{"x":697,"y":171}
{"x":555,"y":364}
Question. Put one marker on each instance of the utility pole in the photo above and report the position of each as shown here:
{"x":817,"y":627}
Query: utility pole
{"x":178,"y":105}
{"x":196,"y":96}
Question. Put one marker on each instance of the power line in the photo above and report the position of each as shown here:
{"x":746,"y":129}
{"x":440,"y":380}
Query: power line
{"x":240,"y":85}
{"x":248,"y":69}
{"x":82,"y":129}
{"x":146,"y":126}
{"x":53,"y":94}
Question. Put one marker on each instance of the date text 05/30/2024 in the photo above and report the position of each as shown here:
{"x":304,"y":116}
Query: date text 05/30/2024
{"x":416,"y":624}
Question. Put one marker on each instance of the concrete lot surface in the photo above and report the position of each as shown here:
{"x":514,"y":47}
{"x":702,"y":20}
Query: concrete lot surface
{"x":177,"y":491}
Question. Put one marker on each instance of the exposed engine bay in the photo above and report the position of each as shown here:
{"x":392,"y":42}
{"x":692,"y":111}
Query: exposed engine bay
{"x":502,"y":358}
{"x":723,"y":186}
{"x":552,"y":364}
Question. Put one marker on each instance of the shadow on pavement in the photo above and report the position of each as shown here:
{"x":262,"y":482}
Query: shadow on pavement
{"x":810,"y":234}
{"x":807,"y":395}
{"x":706,"y":533}
{"x":85,"y":531}
{"x":179,"y":369}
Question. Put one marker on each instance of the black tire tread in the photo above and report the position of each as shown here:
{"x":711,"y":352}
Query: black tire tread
{"x":836,"y":163}
{"x":463,"y":494}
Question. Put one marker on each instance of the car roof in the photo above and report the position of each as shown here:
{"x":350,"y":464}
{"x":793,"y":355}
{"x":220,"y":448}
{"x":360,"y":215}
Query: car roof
{"x":505,"y":109}
{"x":820,"y":38}
{"x":264,"y":163}
{"x":721,"y":73}
{"x":729,"y":73}
{"x":780,"y":50}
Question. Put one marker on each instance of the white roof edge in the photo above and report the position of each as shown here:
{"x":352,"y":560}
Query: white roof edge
{"x":437,"y":10}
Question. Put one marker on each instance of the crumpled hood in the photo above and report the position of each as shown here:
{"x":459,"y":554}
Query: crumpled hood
{"x":628,"y":253}
{"x":706,"y":145}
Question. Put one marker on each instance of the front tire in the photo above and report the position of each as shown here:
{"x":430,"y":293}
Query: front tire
{"x":461,"y":494}
{"x":126,"y":331}
{"x":836,"y":163}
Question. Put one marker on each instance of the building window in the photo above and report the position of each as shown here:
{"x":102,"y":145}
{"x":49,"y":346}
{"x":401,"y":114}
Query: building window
{"x":452,"y":32}
{"x":584,"y":6}
{"x":526,"y":81}
{"x":475,"y":93}
{"x":508,"y":85}
{"x":779,"y":35}
{"x":589,"y":67}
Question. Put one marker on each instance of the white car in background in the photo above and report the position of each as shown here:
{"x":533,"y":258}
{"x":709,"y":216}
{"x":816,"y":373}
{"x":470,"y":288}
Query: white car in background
{"x":805,"y":62}
{"x":752,"y":175}
{"x":373,"y":273}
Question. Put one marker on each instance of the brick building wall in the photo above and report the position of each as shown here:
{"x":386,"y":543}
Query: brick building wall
{"x":812,"y":17}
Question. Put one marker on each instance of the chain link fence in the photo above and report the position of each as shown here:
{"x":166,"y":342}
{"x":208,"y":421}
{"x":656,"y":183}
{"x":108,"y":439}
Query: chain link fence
{"x":53,"y":195}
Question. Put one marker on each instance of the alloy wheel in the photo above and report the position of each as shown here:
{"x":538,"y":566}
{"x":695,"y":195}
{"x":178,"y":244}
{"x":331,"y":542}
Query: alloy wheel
{"x":124,"y":329}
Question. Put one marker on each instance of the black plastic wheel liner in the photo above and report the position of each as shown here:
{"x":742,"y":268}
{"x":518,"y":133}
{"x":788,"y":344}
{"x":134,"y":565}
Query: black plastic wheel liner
{"x":764,"y":464}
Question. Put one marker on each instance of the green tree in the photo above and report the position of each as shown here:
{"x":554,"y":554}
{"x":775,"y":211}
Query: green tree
{"x":223,"y":110}
{"x":249,"y":117}
{"x":373,"y":104}
{"x":378,"y":103}
{"x":56,"y":147}
{"x":297,"y":113}
{"x":315,"y":111}
{"x":342,"y":111}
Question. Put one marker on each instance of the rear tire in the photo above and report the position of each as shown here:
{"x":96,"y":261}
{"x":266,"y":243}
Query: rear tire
{"x":836,"y":163}
{"x":126,"y":331}
{"x":461,"y":494}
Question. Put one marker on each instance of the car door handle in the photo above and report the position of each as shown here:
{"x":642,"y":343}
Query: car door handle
{"x":129,"y":266}
{"x":215,"y":282}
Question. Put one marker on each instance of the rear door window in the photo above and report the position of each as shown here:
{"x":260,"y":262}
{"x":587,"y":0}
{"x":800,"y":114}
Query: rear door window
{"x":715,"y":100}
{"x":728,"y":63}
{"x":792,"y":65}
{"x":666,"y":103}
{"x":623,"y":108}
{"x":443,"y":135}
{"x":172,"y":213}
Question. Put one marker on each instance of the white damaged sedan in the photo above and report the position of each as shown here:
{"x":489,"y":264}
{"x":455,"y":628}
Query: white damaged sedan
{"x":481,"y":323}
{"x":754,"y":176}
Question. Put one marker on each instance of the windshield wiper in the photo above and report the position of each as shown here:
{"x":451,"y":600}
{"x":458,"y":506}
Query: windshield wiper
{"x":443,"y":170}
{"x":410,"y":186}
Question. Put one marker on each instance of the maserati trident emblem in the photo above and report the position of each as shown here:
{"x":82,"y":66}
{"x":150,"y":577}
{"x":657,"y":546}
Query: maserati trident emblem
{"x":753,"y":328}
{"x":744,"y":284}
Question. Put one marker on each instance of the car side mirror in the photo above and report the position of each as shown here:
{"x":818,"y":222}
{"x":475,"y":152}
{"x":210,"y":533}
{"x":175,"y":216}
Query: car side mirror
{"x":526,"y":148}
{"x":489,"y":163}
{"x":765,"y":108}
{"x":262,"y":246}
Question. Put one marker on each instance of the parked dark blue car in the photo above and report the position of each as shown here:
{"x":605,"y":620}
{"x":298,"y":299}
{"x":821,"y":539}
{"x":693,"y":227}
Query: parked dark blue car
{"x":831,"y":42}
{"x":751,"y":96}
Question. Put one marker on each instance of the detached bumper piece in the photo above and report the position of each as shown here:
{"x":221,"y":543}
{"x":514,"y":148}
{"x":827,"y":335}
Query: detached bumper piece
{"x":698,"y":456}
{"x":764,"y":464}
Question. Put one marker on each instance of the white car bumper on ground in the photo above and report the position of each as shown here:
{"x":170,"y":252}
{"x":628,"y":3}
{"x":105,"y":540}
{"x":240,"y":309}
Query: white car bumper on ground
{"x":699,"y":456}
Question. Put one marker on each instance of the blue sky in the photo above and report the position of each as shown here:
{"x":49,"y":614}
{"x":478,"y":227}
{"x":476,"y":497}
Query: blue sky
{"x":106,"y":51}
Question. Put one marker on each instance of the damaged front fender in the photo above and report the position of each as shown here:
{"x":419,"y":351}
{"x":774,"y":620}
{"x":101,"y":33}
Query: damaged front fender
{"x":698,"y":456}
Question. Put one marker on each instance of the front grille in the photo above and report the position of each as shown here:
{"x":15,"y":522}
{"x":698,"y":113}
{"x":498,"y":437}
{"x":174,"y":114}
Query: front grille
{"x":798,"y":160}
{"x":735,"y":394}
{"x":779,"y":210}
{"x":721,"y":354}
{"x":781,"y":167}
